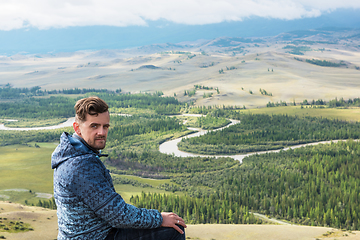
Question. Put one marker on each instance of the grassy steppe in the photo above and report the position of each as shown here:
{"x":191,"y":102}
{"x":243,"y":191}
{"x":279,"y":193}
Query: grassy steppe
{"x":26,"y":167}
{"x":348,"y":114}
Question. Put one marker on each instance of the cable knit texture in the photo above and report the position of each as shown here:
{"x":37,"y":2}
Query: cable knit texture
{"x":87,"y":204}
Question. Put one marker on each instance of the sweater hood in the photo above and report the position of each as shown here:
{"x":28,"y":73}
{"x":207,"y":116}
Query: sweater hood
{"x":69,"y":147}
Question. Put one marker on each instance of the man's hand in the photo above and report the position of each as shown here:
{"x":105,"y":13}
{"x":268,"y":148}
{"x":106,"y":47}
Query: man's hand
{"x":172,"y":220}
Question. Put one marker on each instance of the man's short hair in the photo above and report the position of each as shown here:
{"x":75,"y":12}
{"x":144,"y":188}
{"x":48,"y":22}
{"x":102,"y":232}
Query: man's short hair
{"x":91,"y":106}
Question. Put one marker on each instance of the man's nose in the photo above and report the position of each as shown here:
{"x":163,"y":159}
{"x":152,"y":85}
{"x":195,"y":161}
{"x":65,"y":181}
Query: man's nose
{"x":101,"y":131}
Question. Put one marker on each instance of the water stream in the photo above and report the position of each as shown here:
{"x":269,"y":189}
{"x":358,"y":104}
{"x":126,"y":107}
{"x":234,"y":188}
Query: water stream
{"x":170,"y":147}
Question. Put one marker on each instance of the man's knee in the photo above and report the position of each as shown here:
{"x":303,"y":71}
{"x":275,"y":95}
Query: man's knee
{"x":181,"y":236}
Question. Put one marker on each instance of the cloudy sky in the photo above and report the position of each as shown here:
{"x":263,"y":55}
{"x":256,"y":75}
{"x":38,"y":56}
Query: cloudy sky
{"x":46,"y":14}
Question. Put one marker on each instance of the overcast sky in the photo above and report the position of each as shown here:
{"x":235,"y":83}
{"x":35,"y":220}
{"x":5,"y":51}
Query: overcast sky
{"x":45,"y":14}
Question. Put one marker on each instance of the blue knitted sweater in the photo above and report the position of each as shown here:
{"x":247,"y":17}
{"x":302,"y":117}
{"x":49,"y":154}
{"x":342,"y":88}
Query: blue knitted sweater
{"x":87,"y":204}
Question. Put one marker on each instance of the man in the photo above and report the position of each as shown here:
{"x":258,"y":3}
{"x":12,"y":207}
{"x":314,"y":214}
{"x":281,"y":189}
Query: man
{"x":87,"y":205}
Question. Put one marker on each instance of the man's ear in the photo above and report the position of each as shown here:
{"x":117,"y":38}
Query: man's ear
{"x":76,"y":127}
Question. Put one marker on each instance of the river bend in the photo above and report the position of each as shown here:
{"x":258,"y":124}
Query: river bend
{"x":170,"y":147}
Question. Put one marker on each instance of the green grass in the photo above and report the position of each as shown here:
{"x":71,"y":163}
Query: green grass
{"x":348,"y":114}
{"x":189,"y":120}
{"x":27,"y":167}
{"x":152,"y":182}
{"x":20,"y":197}
{"x":127,"y":190}
{"x":131,"y":111}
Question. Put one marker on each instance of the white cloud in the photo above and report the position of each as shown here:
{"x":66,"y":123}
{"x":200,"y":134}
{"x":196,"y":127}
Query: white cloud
{"x":44,"y":14}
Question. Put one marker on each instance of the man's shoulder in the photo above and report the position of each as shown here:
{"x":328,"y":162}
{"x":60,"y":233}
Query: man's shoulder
{"x":78,"y":168}
{"x":85,"y":160}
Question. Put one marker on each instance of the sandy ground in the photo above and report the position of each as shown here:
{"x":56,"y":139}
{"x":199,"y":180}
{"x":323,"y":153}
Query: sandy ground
{"x":266,"y":232}
{"x":44,"y":222}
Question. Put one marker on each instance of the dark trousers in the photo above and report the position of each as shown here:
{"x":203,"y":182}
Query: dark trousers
{"x":161,"y":233}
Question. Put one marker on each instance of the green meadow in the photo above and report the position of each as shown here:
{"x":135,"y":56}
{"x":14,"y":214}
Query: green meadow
{"x":348,"y":114}
{"x":26,"y":167}
{"x":127,"y":190}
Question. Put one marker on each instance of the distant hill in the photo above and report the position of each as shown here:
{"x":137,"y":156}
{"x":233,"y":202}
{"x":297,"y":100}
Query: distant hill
{"x":329,"y":35}
{"x":103,"y":37}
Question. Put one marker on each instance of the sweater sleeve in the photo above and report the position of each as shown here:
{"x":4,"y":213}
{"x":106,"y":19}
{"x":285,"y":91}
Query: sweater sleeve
{"x":96,"y":191}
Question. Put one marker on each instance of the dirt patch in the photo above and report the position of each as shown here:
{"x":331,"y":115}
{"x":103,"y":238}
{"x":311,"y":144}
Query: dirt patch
{"x":43,"y":221}
{"x":268,"y":232}
{"x":44,"y":195}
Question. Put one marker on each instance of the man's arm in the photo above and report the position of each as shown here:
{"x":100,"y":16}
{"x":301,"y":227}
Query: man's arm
{"x":95,"y":190}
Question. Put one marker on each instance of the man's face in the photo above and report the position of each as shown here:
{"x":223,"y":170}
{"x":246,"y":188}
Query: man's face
{"x":94,"y":129}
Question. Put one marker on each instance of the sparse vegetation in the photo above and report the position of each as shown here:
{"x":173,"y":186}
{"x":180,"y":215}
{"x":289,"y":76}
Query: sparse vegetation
{"x":297,"y":50}
{"x":231,"y":68}
{"x":325,"y":63}
{"x":264,"y":92}
{"x":13,"y":226}
{"x":277,"y":104}
{"x":210,"y":122}
{"x":8,"y":92}
{"x":47,"y":203}
{"x":208,"y":95}
{"x":203,"y":87}
{"x":209,"y":65}
{"x":190,"y":93}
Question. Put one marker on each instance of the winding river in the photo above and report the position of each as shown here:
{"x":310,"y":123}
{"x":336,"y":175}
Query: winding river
{"x":170,"y":147}
{"x":68,"y":123}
